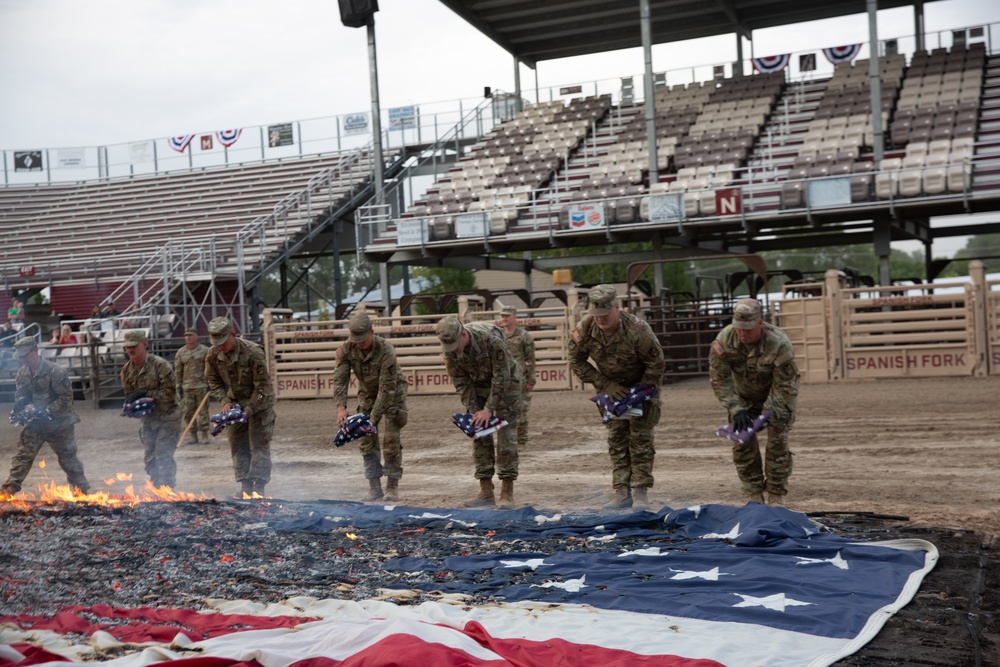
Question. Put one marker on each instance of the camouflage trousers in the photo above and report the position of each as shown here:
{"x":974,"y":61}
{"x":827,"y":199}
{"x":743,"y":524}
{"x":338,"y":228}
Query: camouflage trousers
{"x":500,"y":458}
{"x":62,"y":440}
{"x":522,"y":421}
{"x":630,"y":445}
{"x":189,"y":404}
{"x":770,"y":473}
{"x":159,"y":442}
{"x":250,"y":447}
{"x":391,"y":451}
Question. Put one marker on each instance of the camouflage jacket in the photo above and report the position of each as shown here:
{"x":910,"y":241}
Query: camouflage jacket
{"x":631,"y":356}
{"x":762,"y":377}
{"x":486,"y":363}
{"x":156,"y":378}
{"x":241,"y":377}
{"x":189,"y":367}
{"x":522,"y":348}
{"x":381,"y":384}
{"x":48,"y":387}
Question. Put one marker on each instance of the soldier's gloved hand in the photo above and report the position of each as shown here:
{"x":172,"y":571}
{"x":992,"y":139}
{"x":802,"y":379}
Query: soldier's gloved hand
{"x":742,"y":421}
{"x":135,"y":396}
{"x":21,"y":403}
{"x":615,"y":391}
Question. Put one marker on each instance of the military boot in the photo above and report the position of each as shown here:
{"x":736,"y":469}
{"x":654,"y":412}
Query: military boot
{"x":192,"y":438}
{"x":204,"y":437}
{"x":392,"y":489}
{"x":756,"y":498}
{"x":9,"y":490}
{"x":258,"y":488}
{"x":622,"y":499}
{"x":639,"y":499}
{"x":775,"y":499}
{"x":506,"y":494}
{"x":246,"y":490}
{"x":374,"y":489}
{"x":485,"y":497}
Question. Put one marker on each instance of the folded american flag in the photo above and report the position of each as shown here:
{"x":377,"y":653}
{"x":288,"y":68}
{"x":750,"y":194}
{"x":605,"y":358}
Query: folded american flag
{"x":464,"y":422}
{"x":224,"y":419}
{"x":356,"y":426}
{"x":628,"y":407}
{"x":743,"y":437}
{"x":140,"y":407}
{"x":29,"y":412}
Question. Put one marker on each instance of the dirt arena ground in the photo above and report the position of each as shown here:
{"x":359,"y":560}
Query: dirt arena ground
{"x":926,"y":449}
{"x":879,"y":460}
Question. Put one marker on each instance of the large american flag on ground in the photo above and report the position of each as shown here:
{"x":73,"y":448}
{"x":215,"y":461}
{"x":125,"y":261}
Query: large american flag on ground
{"x":697,"y":586}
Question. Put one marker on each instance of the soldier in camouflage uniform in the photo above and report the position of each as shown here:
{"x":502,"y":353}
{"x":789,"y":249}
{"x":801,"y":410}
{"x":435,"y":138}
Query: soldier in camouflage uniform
{"x":236,"y":371}
{"x":626,"y":353}
{"x":47,"y":386}
{"x":752,"y":369}
{"x":381,"y":394}
{"x":151,"y":376}
{"x":522,"y":348}
{"x":189,"y":370}
{"x":485,"y":376}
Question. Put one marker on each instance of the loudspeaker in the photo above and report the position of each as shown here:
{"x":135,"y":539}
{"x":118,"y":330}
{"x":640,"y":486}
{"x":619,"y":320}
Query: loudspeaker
{"x":357,"y":13}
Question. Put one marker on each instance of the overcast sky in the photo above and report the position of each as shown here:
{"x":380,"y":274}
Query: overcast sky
{"x":79,"y":73}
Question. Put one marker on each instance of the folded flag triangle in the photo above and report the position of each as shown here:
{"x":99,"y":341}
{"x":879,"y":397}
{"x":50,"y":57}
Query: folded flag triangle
{"x":628,"y":407}
{"x":743,"y":437}
{"x":356,"y":426}
{"x":464,"y":422}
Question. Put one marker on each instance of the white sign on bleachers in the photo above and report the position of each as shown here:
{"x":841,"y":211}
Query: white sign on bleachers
{"x":666,"y":208}
{"x":475,"y":225}
{"x":411,"y":231}
{"x":582,"y":216}
{"x":829,"y":192}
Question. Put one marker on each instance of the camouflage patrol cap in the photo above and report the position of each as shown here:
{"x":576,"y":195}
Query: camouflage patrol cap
{"x":602,"y":299}
{"x":190,"y":330}
{"x":449,"y":332}
{"x":23,"y":347}
{"x":746,"y":314}
{"x":359,"y":325}
{"x":134,"y":337}
{"x":508,"y":310}
{"x":219,"y":330}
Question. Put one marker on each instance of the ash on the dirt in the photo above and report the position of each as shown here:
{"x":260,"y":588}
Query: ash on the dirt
{"x":179,"y":554}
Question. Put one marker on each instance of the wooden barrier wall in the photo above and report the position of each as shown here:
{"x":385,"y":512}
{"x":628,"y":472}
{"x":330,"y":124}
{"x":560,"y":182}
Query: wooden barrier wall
{"x":303,"y":354}
{"x":948,"y":328}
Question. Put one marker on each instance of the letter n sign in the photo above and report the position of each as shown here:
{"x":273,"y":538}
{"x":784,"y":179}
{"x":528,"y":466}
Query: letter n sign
{"x":728,"y":202}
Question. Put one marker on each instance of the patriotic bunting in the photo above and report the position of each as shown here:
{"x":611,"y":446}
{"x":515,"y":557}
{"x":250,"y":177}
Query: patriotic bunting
{"x":180,"y":143}
{"x":771,"y":64}
{"x":842,"y":54}
{"x":228,"y":137}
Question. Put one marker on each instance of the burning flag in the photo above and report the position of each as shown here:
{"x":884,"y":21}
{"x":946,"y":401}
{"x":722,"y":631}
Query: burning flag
{"x":699,"y":586}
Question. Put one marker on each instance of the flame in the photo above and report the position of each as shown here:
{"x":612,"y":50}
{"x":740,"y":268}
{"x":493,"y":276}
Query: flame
{"x":350,"y":536}
{"x":50,"y":493}
{"x":41,"y":464}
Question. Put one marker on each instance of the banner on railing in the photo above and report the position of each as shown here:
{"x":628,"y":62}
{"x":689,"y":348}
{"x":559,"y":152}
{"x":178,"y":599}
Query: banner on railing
{"x":842,"y":54}
{"x":356,"y":123}
{"x":180,"y":142}
{"x":228,"y":137}
{"x":279,"y":135}
{"x":474,"y":225}
{"x":71,"y":158}
{"x":411,"y":231}
{"x":140,"y":151}
{"x":403,"y":118}
{"x":771,"y":64}
{"x":27,"y":160}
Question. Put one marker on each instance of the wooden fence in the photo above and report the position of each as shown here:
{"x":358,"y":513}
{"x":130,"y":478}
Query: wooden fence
{"x":303,"y":354}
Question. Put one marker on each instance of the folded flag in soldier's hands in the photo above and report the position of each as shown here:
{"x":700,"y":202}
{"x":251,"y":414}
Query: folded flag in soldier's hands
{"x":139,"y":407}
{"x":464,"y":422}
{"x":356,"y":426}
{"x":27,"y":413}
{"x":628,"y":407}
{"x":743,"y":437}
{"x":224,"y":419}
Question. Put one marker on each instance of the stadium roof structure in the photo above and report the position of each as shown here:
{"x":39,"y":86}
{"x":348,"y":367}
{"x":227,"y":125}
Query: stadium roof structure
{"x":534,"y":30}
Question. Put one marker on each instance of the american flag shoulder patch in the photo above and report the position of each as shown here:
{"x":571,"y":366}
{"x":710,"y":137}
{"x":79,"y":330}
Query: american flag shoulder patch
{"x":718,"y":348}
{"x":340,"y":352}
{"x":576,"y":336}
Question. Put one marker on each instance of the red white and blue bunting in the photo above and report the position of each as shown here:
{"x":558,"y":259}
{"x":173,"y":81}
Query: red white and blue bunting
{"x":771,"y":64}
{"x":228,"y":137}
{"x":180,"y":143}
{"x":842,"y":54}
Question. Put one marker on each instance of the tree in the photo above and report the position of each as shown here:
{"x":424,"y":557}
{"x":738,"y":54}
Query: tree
{"x":444,"y":280}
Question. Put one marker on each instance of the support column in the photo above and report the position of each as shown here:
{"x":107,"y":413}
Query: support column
{"x":283,"y":277}
{"x":645,"y":23}
{"x":883,"y":248}
{"x":738,"y":70}
{"x":527,"y":277}
{"x":658,"y":267}
{"x":918,"y":25}
{"x":377,"y":158}
{"x":876,"y":81}
{"x":518,"y":106}
{"x":337,"y":279}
